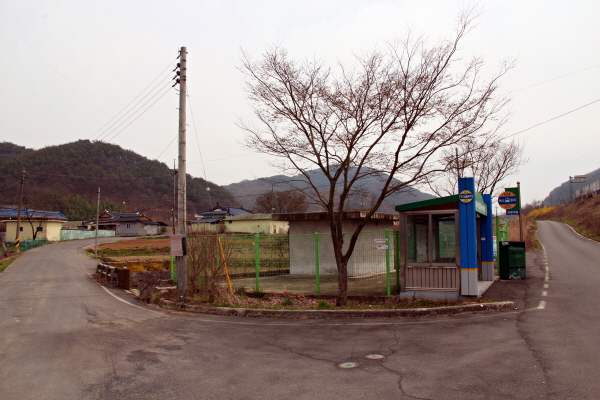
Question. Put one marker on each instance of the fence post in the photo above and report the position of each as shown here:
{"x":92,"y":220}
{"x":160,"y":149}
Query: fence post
{"x":173,"y":275}
{"x":397,"y":259}
{"x":317,"y":272}
{"x":257,"y":263}
{"x":387,"y":263}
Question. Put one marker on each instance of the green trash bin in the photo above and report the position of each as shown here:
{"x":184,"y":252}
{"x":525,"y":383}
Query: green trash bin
{"x":512,"y":260}
{"x":516,"y":263}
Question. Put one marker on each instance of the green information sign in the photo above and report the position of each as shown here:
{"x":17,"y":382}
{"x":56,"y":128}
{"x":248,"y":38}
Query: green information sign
{"x":516,"y":209}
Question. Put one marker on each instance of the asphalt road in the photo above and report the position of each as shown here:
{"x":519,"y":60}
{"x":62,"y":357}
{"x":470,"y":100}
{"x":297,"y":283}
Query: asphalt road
{"x":64,"y":337}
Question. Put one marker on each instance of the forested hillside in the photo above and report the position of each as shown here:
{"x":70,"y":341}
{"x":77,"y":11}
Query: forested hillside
{"x":246,"y":191}
{"x":561,"y":194}
{"x":66,"y":178}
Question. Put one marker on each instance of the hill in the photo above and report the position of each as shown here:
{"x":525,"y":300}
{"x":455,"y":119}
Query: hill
{"x":561,"y":194}
{"x":246,"y":191}
{"x":66,"y":178}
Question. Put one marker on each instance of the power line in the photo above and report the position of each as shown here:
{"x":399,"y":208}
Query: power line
{"x":143,"y":90}
{"x":169,"y":145}
{"x":97,"y":177}
{"x":143,"y":112}
{"x":199,"y":151}
{"x":552,"y":119}
{"x":553,"y":79}
{"x":8,"y":187}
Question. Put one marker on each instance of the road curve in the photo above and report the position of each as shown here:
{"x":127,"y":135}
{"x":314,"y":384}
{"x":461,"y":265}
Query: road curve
{"x":64,"y":337}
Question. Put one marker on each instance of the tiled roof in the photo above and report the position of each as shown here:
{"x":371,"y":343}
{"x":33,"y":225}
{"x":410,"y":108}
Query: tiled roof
{"x":11,"y":213}
{"x":207,"y":220}
{"x":219,"y":210}
{"x":245,"y":217}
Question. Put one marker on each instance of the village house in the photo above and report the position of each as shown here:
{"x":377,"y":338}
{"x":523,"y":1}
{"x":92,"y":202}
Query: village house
{"x":126,"y":224}
{"x":36,"y":224}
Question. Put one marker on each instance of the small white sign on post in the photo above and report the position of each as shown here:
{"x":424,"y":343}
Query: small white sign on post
{"x":381,"y":244}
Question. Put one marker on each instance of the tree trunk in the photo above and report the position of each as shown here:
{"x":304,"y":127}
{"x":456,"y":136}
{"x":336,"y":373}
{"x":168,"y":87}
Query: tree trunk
{"x":342,"y":299}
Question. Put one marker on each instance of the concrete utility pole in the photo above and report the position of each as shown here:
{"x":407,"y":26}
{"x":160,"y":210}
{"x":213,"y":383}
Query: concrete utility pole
{"x":181,"y":173}
{"x":97,"y":225}
{"x":18,"y":235}
{"x":174,"y":208}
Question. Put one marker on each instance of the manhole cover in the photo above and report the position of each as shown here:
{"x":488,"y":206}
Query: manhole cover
{"x":375,"y":356}
{"x":348,"y":365}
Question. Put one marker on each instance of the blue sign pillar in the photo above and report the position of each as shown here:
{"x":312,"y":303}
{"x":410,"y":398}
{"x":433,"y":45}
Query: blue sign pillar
{"x":486,"y":228}
{"x":468,"y":237}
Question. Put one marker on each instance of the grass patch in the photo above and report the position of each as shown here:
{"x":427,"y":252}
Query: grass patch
{"x":136,"y":251}
{"x":8,"y":261}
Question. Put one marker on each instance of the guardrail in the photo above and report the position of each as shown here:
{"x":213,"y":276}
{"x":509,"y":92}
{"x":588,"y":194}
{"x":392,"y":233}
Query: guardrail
{"x":108,"y":274}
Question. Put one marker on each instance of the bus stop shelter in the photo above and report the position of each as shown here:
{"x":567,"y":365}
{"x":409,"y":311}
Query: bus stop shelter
{"x":446,"y":245}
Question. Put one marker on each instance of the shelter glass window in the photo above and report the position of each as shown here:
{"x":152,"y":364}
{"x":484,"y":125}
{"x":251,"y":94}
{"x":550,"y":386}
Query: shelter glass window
{"x":418,"y":238}
{"x":444,"y":238}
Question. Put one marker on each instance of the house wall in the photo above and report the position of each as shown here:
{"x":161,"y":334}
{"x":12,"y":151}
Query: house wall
{"x":50,"y":230}
{"x":366,"y":259}
{"x":128,"y":229}
{"x":151,"y":230}
{"x":202,"y":227}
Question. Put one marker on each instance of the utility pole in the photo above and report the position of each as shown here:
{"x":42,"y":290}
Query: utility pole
{"x":97,"y":224}
{"x":174,"y":207}
{"x":18,"y":235}
{"x":181,"y":173}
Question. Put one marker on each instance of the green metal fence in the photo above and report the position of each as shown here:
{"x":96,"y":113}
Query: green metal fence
{"x":27,"y":244}
{"x":306,"y":263}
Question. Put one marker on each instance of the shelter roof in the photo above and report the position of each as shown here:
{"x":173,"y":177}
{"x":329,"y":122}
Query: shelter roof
{"x":358,"y":214}
{"x":448,"y":202}
{"x":443,"y":203}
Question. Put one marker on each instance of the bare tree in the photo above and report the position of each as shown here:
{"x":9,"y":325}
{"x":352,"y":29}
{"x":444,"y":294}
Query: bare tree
{"x":489,"y":162}
{"x":394,"y":112}
{"x":29,"y":216}
{"x":286,"y":201}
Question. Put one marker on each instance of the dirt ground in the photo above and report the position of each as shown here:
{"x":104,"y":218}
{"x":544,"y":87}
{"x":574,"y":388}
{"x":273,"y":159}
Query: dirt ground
{"x":133,"y":243}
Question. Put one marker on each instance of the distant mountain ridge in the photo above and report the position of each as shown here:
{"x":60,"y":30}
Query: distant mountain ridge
{"x":246,"y":191}
{"x":561,"y":194}
{"x":66,"y":178}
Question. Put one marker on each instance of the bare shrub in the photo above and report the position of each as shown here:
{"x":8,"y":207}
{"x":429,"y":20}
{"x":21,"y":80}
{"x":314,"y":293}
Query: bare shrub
{"x":206,"y":272}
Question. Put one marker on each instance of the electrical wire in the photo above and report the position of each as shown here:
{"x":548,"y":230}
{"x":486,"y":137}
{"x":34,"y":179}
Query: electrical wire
{"x":553,"y":79}
{"x":169,"y":145}
{"x":552,"y":119}
{"x":199,"y":151}
{"x":112,"y":128}
{"x":97,"y":177}
{"x":143,"y":112}
{"x":143,"y":90}
{"x":8,"y":187}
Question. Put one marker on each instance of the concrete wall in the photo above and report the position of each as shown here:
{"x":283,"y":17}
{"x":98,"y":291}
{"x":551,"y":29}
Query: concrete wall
{"x":366,"y":259}
{"x":256,"y":226}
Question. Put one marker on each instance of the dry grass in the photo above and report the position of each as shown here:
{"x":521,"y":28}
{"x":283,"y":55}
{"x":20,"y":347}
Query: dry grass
{"x":529,"y":228}
{"x":582,"y":215}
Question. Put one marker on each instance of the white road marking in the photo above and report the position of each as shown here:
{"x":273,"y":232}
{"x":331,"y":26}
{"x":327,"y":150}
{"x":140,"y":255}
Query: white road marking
{"x":542,"y":305}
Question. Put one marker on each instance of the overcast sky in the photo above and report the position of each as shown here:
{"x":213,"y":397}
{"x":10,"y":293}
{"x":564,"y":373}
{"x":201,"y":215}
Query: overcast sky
{"x":68,"y":67}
